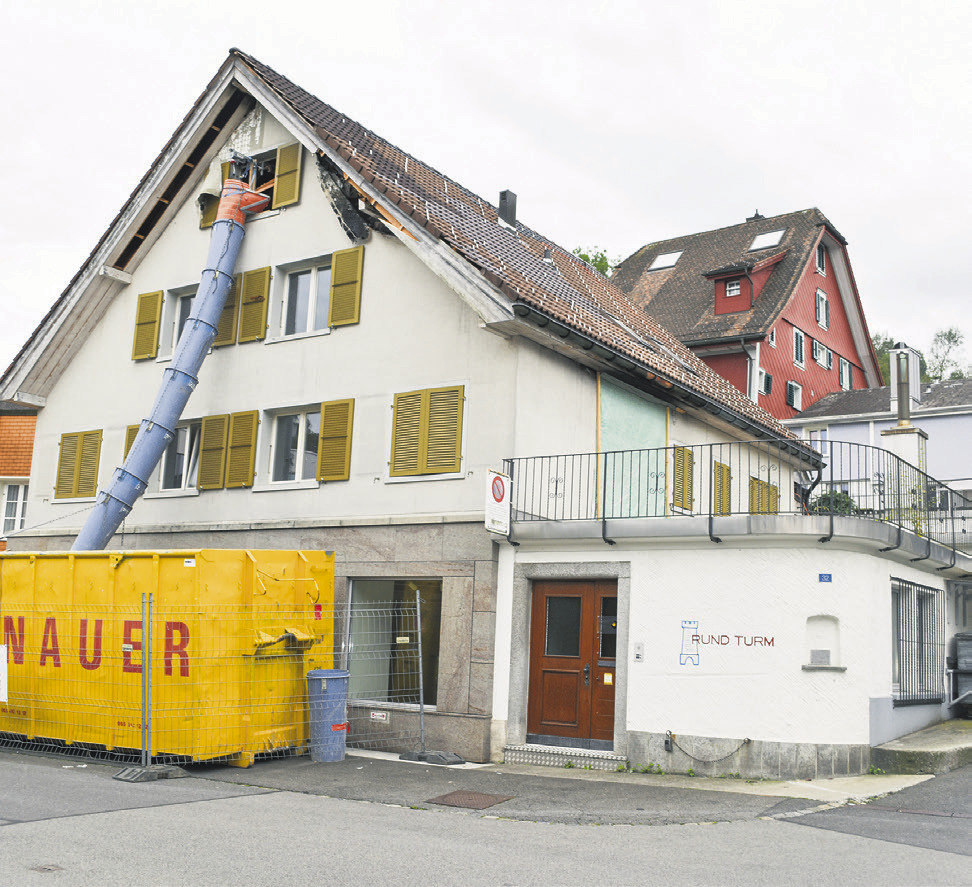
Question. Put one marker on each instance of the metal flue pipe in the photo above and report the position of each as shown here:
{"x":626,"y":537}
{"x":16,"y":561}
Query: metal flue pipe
{"x":180,"y":377}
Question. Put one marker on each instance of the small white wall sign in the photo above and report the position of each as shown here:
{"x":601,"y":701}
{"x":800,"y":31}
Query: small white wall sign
{"x":498,"y":503}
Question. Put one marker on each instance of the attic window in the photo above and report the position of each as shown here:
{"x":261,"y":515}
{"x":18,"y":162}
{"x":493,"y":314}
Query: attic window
{"x":665,"y":260}
{"x":764,"y":241}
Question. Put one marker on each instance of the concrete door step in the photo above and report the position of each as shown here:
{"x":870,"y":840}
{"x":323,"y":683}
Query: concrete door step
{"x":937,"y":749}
{"x":559,"y":756}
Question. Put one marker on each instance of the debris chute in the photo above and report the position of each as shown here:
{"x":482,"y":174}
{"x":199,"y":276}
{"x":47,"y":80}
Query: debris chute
{"x":179,"y":380}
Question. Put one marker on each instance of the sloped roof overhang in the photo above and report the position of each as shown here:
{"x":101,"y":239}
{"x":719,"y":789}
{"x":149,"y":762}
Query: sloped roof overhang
{"x":670,"y":389}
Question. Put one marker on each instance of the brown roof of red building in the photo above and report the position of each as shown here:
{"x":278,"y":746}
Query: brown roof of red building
{"x":681,"y":298}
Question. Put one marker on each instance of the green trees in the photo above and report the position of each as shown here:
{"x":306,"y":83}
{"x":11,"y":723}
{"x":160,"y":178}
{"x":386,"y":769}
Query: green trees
{"x":944,"y":358}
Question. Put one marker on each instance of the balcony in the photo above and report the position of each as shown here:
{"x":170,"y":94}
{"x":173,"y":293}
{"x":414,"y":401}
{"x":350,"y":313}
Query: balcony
{"x":740,"y":487}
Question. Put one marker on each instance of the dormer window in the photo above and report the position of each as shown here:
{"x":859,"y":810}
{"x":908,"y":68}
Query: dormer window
{"x":733,"y":287}
{"x":765,"y":241}
{"x":665,"y":260}
{"x":821,"y":259}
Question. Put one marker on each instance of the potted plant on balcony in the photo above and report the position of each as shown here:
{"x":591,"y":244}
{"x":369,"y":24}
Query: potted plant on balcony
{"x":833,"y":502}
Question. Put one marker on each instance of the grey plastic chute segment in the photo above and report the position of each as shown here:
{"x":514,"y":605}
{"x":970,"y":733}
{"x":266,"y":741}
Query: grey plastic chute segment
{"x":178,"y":382}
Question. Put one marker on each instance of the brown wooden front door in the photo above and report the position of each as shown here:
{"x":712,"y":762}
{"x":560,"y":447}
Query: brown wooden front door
{"x":573,"y":653}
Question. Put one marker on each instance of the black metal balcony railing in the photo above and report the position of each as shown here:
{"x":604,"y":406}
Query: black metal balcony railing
{"x":752,"y":477}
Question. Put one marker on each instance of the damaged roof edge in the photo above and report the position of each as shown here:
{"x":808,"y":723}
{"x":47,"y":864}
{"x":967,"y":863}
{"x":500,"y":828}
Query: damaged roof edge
{"x":130,"y":201}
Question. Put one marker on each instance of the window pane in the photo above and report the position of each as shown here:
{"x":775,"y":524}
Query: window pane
{"x":323,"y":299}
{"x":11,"y":508}
{"x":608,"y":634}
{"x":563,"y":626}
{"x":192,"y":472}
{"x":285,"y":447}
{"x":173,"y":461}
{"x":185,"y":309}
{"x":383,"y":641}
{"x":312,"y":432}
{"x":298,"y":294}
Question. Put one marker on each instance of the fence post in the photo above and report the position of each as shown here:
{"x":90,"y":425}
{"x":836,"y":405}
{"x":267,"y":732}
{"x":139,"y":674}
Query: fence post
{"x":147,"y":601}
{"x":418,"y":623}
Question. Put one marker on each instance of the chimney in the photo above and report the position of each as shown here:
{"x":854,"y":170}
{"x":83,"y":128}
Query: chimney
{"x":755,"y":217}
{"x":905,"y":367}
{"x":507,"y":208}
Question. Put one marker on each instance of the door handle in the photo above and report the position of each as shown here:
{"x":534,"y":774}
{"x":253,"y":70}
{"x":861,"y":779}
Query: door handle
{"x":587,"y":675}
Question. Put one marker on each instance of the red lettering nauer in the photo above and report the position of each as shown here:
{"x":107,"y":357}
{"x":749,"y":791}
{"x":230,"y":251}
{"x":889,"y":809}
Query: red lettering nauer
{"x":91,"y":644}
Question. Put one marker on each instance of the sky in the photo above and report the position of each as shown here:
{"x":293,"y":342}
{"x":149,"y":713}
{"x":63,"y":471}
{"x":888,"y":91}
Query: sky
{"x":616,"y":123}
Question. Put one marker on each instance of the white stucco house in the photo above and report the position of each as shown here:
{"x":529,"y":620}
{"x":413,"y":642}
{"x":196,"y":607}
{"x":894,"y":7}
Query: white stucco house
{"x":666,"y":592}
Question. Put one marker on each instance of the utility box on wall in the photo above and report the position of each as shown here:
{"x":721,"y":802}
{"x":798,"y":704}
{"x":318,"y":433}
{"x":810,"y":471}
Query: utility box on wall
{"x":232,"y":636}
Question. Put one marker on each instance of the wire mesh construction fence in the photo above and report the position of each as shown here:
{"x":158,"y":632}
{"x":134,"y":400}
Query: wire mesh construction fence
{"x":163,"y":684}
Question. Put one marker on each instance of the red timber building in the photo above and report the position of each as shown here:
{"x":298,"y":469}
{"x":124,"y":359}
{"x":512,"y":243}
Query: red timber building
{"x":770,"y":304}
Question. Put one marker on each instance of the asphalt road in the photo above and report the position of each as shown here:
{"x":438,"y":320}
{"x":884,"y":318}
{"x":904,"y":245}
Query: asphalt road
{"x":68,"y":823}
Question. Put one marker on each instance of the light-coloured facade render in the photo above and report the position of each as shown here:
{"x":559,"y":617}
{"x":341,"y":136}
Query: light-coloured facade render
{"x":637,"y":472}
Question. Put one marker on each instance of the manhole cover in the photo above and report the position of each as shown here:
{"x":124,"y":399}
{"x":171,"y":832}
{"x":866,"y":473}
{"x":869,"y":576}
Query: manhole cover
{"x":470,"y":800}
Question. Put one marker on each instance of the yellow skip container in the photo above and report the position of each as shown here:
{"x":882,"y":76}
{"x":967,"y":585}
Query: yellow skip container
{"x":232,"y":635}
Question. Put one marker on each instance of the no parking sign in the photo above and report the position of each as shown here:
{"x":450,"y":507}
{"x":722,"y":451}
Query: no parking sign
{"x":498,"y":503}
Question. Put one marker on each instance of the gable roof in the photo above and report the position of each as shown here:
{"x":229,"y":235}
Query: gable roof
{"x":513,"y":276}
{"x":681,"y":297}
{"x":946,"y":396}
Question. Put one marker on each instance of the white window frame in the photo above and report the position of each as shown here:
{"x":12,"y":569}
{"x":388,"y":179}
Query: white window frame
{"x":766,"y":240}
{"x":277,"y":321}
{"x":665,"y":260}
{"x":799,"y":348}
{"x":795,"y":399}
{"x":172,"y":307}
{"x":189,"y":458}
{"x":771,"y":338}
{"x":821,"y":259}
{"x":819,"y":440}
{"x":822,"y":303}
{"x":736,"y":288}
{"x":302,"y":477}
{"x":16,"y":521}
{"x":823,"y":355}
{"x":845,"y":374}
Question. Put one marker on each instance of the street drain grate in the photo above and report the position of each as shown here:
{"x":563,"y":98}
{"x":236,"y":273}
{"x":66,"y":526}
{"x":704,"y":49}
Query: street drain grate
{"x":470,"y":800}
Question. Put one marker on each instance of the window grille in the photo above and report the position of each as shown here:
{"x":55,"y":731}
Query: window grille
{"x":918,"y":643}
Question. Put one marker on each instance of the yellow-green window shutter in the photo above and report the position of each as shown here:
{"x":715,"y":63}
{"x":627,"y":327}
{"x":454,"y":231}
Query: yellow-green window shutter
{"x":147,"y":316}
{"x":77,"y":465}
{"x":684,"y":464}
{"x":753,"y":496}
{"x":721,"y":488}
{"x":286,"y":188}
{"x":130,"y":434}
{"x":334,"y":444}
{"x":226,"y":327}
{"x":208,"y":216}
{"x":67,"y":463}
{"x":346,"y":270}
{"x":254,"y":298}
{"x":443,"y":449}
{"x":88,"y":463}
{"x":241,"y":449}
{"x":212,"y":452}
{"x":406,"y":433}
{"x":772,"y":499}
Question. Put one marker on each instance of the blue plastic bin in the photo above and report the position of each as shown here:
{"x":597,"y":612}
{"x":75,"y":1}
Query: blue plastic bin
{"x":327,"y":697}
